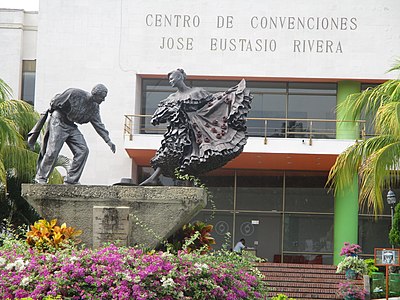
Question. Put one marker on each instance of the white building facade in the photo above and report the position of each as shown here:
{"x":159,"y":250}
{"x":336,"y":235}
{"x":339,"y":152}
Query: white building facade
{"x":298,"y":58}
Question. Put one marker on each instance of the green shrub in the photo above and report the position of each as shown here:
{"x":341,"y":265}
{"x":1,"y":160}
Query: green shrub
{"x":371,"y":266}
{"x":354,"y":263}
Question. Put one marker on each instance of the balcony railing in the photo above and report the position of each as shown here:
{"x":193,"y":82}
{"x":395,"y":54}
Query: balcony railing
{"x":260,"y":127}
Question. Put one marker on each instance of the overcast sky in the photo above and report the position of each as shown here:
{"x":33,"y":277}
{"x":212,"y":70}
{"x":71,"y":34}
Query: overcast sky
{"x":25,"y":4}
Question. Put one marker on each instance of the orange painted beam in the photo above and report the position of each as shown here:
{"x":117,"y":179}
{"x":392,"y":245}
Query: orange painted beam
{"x":259,"y":161}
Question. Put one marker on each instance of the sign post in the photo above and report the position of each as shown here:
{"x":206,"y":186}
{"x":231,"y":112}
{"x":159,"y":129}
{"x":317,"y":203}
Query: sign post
{"x":387,"y":258}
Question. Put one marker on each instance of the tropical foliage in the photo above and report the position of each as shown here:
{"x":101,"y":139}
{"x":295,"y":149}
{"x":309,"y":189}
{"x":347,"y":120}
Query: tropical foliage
{"x":199,"y":234}
{"x":46,"y":235}
{"x":17,"y":161}
{"x":371,"y":266}
{"x":394,"y":234}
{"x":373,"y":159}
{"x":16,"y":119}
{"x":354,"y":263}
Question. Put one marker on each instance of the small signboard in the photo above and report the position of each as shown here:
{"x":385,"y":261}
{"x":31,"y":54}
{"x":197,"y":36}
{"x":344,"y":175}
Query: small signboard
{"x":387,"y":257}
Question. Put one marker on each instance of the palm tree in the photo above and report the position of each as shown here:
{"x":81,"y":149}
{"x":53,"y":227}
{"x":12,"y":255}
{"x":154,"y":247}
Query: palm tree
{"x":17,"y":162}
{"x":16,"y":119}
{"x":375,"y":160}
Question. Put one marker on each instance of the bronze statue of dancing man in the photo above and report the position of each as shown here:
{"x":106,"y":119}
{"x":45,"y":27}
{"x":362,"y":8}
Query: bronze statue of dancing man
{"x":70,"y":107}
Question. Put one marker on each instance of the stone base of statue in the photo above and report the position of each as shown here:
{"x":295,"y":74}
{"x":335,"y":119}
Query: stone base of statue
{"x":126,"y":215}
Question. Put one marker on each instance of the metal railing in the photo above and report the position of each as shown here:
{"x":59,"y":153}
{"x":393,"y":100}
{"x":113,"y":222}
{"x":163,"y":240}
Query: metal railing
{"x":260,"y":127}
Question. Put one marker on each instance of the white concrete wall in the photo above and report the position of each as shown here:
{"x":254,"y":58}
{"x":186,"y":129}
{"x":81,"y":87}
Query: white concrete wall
{"x":369,"y":38}
{"x":256,"y":145}
{"x":84,"y":42}
{"x":11,"y":31}
{"x":78,"y":47}
{"x":29,"y":35}
{"x":18,"y":30}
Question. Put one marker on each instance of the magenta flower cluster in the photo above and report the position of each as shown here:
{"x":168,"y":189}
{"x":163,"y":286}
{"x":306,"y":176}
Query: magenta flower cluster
{"x":126,"y":273}
{"x":350,"y":249}
{"x":351,"y":291}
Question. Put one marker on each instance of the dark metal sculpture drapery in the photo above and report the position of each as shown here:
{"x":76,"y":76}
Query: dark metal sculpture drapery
{"x":204,"y":131}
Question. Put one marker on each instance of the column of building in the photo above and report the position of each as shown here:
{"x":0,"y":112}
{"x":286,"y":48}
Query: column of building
{"x":346,"y":201}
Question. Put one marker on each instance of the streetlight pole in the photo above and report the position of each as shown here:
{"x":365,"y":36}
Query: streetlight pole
{"x":391,"y":200}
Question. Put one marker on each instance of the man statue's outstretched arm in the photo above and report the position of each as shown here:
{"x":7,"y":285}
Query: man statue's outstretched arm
{"x":102,"y":131}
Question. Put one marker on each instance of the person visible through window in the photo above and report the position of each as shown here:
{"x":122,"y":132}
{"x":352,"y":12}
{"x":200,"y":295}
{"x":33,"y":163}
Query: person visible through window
{"x":240,"y":246}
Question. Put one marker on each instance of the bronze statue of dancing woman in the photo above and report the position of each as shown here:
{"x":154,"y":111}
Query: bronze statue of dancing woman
{"x":204,"y":130}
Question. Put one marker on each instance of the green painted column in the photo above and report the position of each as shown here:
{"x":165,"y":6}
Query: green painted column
{"x":345,"y":220}
{"x":346,"y":130}
{"x":346,"y":201}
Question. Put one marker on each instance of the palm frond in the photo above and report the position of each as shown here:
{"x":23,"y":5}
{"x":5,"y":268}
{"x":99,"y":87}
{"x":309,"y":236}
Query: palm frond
{"x":9,"y":134}
{"x":395,"y":66}
{"x":5,"y":91}
{"x":22,"y":161}
{"x":63,"y":161}
{"x":357,"y":104}
{"x":389,"y":91}
{"x":388,"y":119}
{"x":3,"y":178}
{"x":379,"y":172}
{"x":349,"y":162}
{"x":370,"y":100}
{"x":21,"y":113}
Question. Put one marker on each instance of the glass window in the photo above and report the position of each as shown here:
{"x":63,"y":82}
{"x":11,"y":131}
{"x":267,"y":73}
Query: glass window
{"x":213,"y":86}
{"x":28,"y":81}
{"x":266,"y":106}
{"x":270,"y":100}
{"x":313,"y":107}
{"x":261,"y":232}
{"x":306,"y":259}
{"x":221,"y":189}
{"x":267,"y":87}
{"x":153,"y":91}
{"x":373,"y":233}
{"x":306,"y":192}
{"x":259,"y":190}
{"x":312,"y":88}
{"x":250,"y":207}
{"x":312,"y":101}
{"x":308,"y":233}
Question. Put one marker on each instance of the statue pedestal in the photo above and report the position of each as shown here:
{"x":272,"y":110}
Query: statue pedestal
{"x":128,"y":215}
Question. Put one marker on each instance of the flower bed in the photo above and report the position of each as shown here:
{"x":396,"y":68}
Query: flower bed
{"x":349,"y":290}
{"x":126,"y":273}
